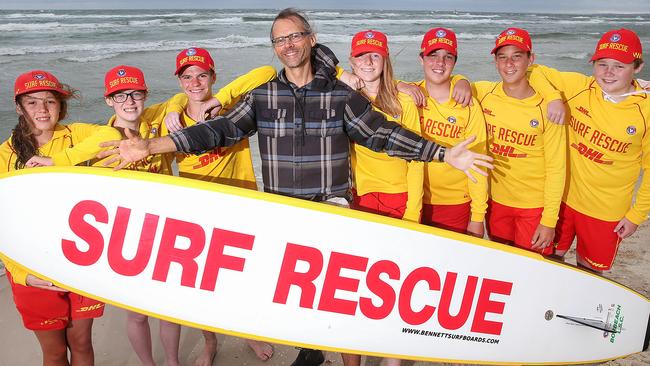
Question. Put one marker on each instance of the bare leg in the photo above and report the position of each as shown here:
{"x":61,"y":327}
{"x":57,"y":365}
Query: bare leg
{"x":170,"y":335}
{"x":54,"y":347}
{"x":263,"y":350}
{"x":80,"y":341}
{"x":206,"y":358}
{"x":350,"y":359}
{"x":137,"y":328}
{"x":391,"y":362}
{"x":583,"y":264}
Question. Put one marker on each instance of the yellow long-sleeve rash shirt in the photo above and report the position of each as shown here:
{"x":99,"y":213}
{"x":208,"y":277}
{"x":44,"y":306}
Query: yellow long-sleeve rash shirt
{"x":232,"y":166}
{"x":64,"y":137}
{"x":609,"y":146}
{"x":448,"y":124}
{"x":378,"y":172}
{"x":150,"y":127}
{"x":529,"y":151}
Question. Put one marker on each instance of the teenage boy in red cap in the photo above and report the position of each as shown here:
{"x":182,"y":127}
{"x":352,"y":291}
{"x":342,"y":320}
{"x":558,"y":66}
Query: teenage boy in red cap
{"x":226,"y":165}
{"x":451,"y":200}
{"x":529,"y":150}
{"x":196,"y":77}
{"x":609,"y":144}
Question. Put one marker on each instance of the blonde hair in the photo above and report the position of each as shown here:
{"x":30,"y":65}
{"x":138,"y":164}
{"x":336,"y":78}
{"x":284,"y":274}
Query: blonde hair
{"x":386,"y":99}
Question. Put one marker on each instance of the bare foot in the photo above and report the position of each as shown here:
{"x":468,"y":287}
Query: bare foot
{"x":263,"y":350}
{"x":206,"y":358}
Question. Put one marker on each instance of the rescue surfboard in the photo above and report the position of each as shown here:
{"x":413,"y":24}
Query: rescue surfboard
{"x":294,"y":272}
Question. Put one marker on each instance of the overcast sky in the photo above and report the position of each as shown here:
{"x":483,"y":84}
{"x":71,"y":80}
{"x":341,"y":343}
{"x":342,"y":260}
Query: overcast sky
{"x":547,"y":6}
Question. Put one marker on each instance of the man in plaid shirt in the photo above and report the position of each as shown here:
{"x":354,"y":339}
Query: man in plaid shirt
{"x":305,"y":119}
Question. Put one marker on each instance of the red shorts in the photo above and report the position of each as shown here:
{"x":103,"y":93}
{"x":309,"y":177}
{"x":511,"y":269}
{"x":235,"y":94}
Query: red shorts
{"x":50,"y":310}
{"x":597,"y":242}
{"x":386,"y":204}
{"x":449,"y":217}
{"x":514,"y":225}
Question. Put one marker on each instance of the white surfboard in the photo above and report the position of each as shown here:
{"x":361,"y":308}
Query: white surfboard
{"x":301,"y":273}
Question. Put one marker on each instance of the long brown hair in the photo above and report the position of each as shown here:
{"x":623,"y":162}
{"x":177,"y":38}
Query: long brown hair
{"x":386,"y":100}
{"x":23,"y":141}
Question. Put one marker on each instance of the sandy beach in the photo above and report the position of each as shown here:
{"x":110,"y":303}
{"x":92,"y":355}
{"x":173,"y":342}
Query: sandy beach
{"x":19,"y":346}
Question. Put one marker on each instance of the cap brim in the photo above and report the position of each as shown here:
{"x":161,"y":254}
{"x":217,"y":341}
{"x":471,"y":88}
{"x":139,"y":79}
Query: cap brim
{"x":190,"y":63}
{"x":125,"y":87}
{"x":360,"y":50}
{"x":440,"y":46}
{"x":519,"y":45}
{"x":625,"y":58}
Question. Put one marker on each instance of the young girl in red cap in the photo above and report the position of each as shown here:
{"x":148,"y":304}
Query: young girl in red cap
{"x":384,"y":185}
{"x":61,"y":320}
{"x":609,"y":145}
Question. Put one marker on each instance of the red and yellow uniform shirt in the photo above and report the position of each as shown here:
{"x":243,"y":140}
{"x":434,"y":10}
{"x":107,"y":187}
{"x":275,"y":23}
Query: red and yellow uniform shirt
{"x":64,"y":137}
{"x":529,"y":151}
{"x":378,"y":172}
{"x":150,"y":127}
{"x":227,"y":165}
{"x":449,"y":124}
{"x":609,"y":145}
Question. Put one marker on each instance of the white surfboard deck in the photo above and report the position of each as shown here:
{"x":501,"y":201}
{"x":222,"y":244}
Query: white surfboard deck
{"x":301,"y":273}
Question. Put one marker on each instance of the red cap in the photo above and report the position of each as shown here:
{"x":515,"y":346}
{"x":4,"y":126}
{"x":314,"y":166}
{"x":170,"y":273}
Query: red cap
{"x":194,"y":56}
{"x":621,"y":44}
{"x":124,"y":78}
{"x":369,"y":41}
{"x":516,"y":37}
{"x":37,"y":80}
{"x":439,"y":38}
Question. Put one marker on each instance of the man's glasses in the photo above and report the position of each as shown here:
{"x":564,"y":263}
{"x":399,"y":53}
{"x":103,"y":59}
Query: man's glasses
{"x":293,"y":38}
{"x":122,"y":97}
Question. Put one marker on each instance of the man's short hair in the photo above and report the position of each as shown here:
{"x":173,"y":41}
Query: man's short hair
{"x":294,"y":14}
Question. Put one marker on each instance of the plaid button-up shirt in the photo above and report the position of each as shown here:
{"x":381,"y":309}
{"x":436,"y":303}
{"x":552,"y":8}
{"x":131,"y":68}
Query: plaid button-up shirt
{"x":304,"y":132}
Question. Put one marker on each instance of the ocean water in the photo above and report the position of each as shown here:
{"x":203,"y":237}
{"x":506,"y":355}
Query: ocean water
{"x":79,"y":46}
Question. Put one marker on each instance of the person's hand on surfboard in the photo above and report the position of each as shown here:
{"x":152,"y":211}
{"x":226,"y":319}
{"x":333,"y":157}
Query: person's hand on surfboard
{"x":34,"y":281}
{"x":461,"y":158}
{"x":36,"y":161}
{"x":124,"y":152}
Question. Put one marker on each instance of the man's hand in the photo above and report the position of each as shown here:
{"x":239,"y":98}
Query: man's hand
{"x":461,"y":158}
{"x":34,"y":281}
{"x":542,"y":237}
{"x":556,"y":111}
{"x":415,"y":92}
{"x":36,"y":161}
{"x":625,"y":228}
{"x":476,"y":228}
{"x":133,"y":148}
{"x":462,"y":93}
